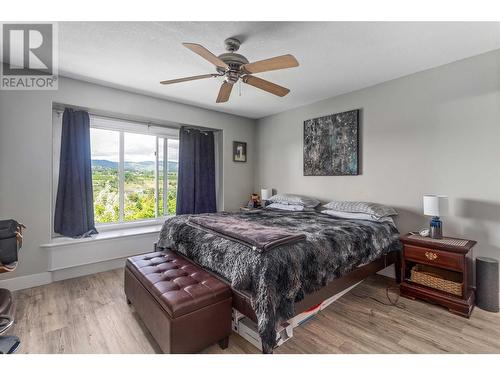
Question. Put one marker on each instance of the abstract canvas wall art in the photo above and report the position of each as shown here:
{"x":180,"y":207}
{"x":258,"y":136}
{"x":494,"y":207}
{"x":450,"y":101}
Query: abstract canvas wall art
{"x":331,"y":145}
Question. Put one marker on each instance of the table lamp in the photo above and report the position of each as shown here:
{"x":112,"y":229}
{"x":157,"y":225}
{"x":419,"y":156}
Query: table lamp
{"x":435,"y":206}
{"x":265,"y":194}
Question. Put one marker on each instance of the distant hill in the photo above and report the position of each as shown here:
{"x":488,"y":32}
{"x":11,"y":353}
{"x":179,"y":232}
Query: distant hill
{"x":104,"y":164}
{"x":134,"y":166}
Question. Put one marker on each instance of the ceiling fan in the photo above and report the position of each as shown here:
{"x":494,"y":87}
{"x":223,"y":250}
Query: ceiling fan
{"x":233,"y":67}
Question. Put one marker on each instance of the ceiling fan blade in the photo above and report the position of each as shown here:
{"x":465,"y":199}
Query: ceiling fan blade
{"x":274,"y":63}
{"x":224,"y":92}
{"x":265,"y":85}
{"x":206,"y":54}
{"x":185,"y":79}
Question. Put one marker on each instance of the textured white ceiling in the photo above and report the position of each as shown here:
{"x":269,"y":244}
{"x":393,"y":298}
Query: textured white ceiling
{"x":334,"y":57}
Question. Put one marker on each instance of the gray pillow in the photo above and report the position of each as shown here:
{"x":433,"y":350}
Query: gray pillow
{"x":374,"y":209}
{"x":294,"y":199}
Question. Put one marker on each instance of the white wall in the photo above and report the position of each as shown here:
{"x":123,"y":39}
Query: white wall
{"x":26,"y":152}
{"x":436,"y":131}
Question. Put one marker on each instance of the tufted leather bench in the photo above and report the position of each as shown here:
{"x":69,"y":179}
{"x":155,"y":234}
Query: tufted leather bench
{"x":184,"y":307}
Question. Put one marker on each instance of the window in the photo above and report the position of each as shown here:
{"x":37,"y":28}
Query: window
{"x":140,"y":182}
{"x":134,"y":170}
{"x":167,"y":206}
{"x":105,"y":146}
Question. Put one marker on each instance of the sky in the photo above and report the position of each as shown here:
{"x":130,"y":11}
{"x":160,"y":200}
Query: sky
{"x":138,"y":147}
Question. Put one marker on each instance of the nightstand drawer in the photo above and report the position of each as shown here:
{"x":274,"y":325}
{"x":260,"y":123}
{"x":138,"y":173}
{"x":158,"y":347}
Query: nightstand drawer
{"x":435,"y":257}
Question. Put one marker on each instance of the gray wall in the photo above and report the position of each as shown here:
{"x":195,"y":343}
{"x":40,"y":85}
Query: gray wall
{"x":436,"y":131}
{"x":26,"y":152}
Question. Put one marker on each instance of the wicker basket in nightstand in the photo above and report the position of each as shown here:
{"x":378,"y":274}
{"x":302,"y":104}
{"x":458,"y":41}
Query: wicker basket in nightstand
{"x":437,"y":278}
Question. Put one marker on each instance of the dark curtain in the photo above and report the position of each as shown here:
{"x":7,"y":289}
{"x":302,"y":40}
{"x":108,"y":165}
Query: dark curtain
{"x":74,"y":216}
{"x":196,"y":180}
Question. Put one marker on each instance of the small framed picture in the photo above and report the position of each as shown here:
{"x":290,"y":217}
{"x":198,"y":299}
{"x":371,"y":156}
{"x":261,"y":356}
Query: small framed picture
{"x":239,"y":151}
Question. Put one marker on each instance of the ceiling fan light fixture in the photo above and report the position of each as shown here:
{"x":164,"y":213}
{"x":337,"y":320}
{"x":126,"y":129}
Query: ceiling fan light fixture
{"x":232,"y":76}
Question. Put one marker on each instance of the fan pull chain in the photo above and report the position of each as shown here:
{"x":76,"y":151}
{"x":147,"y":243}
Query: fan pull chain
{"x":239,"y":87}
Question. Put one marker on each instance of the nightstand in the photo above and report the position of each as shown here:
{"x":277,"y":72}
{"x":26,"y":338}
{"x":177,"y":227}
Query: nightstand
{"x":438,"y":271}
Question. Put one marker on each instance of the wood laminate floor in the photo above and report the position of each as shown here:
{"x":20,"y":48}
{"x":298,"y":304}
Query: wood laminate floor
{"x":89,"y":315}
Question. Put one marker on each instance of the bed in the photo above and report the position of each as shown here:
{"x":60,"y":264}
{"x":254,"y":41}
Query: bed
{"x":273,"y":286}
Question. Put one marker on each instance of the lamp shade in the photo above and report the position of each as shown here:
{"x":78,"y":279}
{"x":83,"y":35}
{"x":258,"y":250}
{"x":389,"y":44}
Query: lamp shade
{"x":435,"y":205}
{"x":265,"y":194}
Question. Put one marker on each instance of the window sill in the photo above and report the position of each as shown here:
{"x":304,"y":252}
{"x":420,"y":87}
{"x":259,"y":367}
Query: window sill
{"x":113,"y":227}
{"x":104,"y":235}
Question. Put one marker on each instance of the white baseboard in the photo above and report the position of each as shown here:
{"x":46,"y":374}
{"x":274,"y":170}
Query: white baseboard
{"x":28,"y":281}
{"x":88,"y":269}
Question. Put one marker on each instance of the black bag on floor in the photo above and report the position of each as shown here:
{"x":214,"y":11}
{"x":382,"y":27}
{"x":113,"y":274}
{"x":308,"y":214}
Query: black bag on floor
{"x":8,"y":241}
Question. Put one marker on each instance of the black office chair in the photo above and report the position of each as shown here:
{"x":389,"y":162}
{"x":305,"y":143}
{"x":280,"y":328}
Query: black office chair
{"x":10,"y":243}
{"x":8,"y":344}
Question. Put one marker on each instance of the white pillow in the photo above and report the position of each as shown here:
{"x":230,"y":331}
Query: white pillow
{"x":374,"y":209}
{"x":350,"y":215}
{"x":294,"y":199}
{"x":286,"y":207}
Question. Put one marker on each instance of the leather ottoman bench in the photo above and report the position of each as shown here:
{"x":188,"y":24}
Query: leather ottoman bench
{"x":184,"y":307}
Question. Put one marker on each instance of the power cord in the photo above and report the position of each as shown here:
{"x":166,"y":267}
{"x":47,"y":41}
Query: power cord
{"x":391,"y":301}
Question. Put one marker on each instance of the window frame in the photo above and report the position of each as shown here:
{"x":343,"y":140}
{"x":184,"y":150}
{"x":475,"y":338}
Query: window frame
{"x":129,"y":126}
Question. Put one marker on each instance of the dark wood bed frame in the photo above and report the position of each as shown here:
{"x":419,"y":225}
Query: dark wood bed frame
{"x":241,"y":300}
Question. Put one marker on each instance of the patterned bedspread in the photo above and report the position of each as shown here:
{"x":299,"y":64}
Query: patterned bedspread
{"x":278,"y":278}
